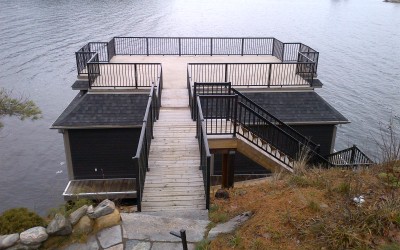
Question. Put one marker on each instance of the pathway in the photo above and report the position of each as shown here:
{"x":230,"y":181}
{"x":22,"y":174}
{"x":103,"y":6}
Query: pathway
{"x":174,"y":180}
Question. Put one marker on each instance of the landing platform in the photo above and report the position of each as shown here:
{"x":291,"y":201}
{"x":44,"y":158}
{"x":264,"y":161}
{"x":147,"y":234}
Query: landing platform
{"x":101,"y":189}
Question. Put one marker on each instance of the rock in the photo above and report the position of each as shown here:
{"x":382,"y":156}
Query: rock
{"x":20,"y":246}
{"x":59,"y":226}
{"x":229,"y":226}
{"x":110,"y":236}
{"x":116,"y":247}
{"x":84,"y":225}
{"x":222,"y":194}
{"x":75,"y":216}
{"x":8,"y":240}
{"x":170,"y":246}
{"x":156,"y":228}
{"x":90,"y":210}
{"x":104,"y":208}
{"x":91,"y":244}
{"x":33,"y":236}
{"x":108,"y":220}
{"x":140,"y":246}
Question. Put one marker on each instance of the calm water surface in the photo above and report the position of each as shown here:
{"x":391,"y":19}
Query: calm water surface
{"x":358,"y":40}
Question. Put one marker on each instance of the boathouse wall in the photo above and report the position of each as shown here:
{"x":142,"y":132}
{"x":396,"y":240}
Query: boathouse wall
{"x":102,"y":153}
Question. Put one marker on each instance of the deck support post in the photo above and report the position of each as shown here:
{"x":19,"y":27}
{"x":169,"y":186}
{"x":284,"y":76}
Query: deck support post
{"x":228,"y":170}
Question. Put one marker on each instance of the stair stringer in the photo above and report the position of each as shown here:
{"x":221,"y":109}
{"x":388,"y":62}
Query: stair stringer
{"x":259,"y":156}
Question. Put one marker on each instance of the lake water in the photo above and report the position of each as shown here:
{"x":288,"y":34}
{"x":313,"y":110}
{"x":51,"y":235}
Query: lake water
{"x":358,"y":41}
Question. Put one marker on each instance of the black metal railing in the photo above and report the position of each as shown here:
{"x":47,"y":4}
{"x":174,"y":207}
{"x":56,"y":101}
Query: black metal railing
{"x":194,"y":45}
{"x":141,"y":159}
{"x":206,"y":89}
{"x":219,"y":112}
{"x":227,"y":114}
{"x":137,"y":75}
{"x":352,"y":156}
{"x":209,"y":46}
{"x":270,"y":138}
{"x":205,"y":156}
{"x":275,"y":121}
{"x":254,"y":74}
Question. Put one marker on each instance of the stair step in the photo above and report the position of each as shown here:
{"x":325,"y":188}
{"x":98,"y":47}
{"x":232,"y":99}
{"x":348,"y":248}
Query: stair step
{"x":173,"y":198}
{"x":174,"y":203}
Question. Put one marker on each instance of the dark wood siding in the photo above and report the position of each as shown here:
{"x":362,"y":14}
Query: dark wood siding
{"x":242,"y":165}
{"x":320,"y":134}
{"x":109,"y":151}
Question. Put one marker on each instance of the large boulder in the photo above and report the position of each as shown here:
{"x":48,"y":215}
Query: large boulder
{"x":104,"y":208}
{"x":108,"y":220}
{"x":8,"y":240}
{"x":33,"y":236}
{"x":59,"y":226}
{"x":84,"y":225}
{"x":75,"y":216}
{"x":228,"y":227}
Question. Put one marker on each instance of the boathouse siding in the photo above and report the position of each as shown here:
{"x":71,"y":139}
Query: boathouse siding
{"x":103,"y":153}
{"x":101,"y":134}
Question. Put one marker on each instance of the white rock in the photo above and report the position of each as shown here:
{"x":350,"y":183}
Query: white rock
{"x":33,"y":236}
{"x":78,"y":214}
{"x":59,"y":226}
{"x":8,"y":240}
{"x":104,"y":208}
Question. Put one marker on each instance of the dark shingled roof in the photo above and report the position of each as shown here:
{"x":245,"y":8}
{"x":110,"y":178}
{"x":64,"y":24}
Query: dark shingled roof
{"x":297,"y":107}
{"x":105,"y":110}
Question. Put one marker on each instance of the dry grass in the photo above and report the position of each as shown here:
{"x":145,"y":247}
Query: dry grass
{"x":313,"y":211}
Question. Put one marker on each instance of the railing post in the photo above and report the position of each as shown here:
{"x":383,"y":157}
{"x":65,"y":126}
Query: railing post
{"x":208,"y":183}
{"x":269,"y":75}
{"x":353,"y":154}
{"x":242,"y":46}
{"x":226,"y":72}
{"x":136,"y":80}
{"x":283,"y":52}
{"x":147,"y":46}
{"x":179,"y":39}
{"x":273,"y":46}
{"x":211,"y":46}
{"x":138,"y":188}
{"x":235,"y":106}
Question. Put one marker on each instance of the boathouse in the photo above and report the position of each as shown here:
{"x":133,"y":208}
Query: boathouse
{"x":156,"y":117}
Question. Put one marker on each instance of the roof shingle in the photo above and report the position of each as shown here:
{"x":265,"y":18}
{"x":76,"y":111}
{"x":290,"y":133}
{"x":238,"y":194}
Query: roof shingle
{"x":297,"y":107}
{"x":96,"y":109}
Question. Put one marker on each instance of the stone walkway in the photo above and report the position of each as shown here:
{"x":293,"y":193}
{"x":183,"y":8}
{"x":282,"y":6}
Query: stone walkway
{"x":147,"y":231}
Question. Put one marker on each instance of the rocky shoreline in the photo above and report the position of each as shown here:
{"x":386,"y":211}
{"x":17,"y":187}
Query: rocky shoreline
{"x":82,"y":221}
{"x":392,"y":1}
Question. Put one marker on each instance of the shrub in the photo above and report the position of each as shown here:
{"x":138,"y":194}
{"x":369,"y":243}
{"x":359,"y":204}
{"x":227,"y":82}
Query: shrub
{"x":69,"y":207}
{"x":17,"y":220}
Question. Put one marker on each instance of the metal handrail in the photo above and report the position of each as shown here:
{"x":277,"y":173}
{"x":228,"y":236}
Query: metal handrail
{"x":140,"y":160}
{"x":350,"y":156}
{"x":255,"y":74}
{"x":205,"y":155}
{"x":288,"y":129}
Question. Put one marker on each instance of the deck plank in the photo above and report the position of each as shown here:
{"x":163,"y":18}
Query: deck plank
{"x":174,"y":181}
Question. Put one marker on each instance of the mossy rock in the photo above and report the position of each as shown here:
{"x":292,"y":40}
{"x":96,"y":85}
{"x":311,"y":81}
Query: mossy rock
{"x":17,"y":220}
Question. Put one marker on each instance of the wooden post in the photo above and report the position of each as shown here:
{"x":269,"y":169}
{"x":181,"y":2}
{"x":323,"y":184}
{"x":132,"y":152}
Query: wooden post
{"x":228,"y":170}
{"x":231,"y":168}
{"x":224,"y":183}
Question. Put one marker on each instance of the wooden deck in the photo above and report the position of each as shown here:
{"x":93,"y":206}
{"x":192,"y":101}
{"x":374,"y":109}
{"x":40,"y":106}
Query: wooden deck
{"x":174,"y":181}
{"x":100,"y":189}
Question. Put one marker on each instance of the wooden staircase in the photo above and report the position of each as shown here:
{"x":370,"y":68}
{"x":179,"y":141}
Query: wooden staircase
{"x":174,"y":181}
